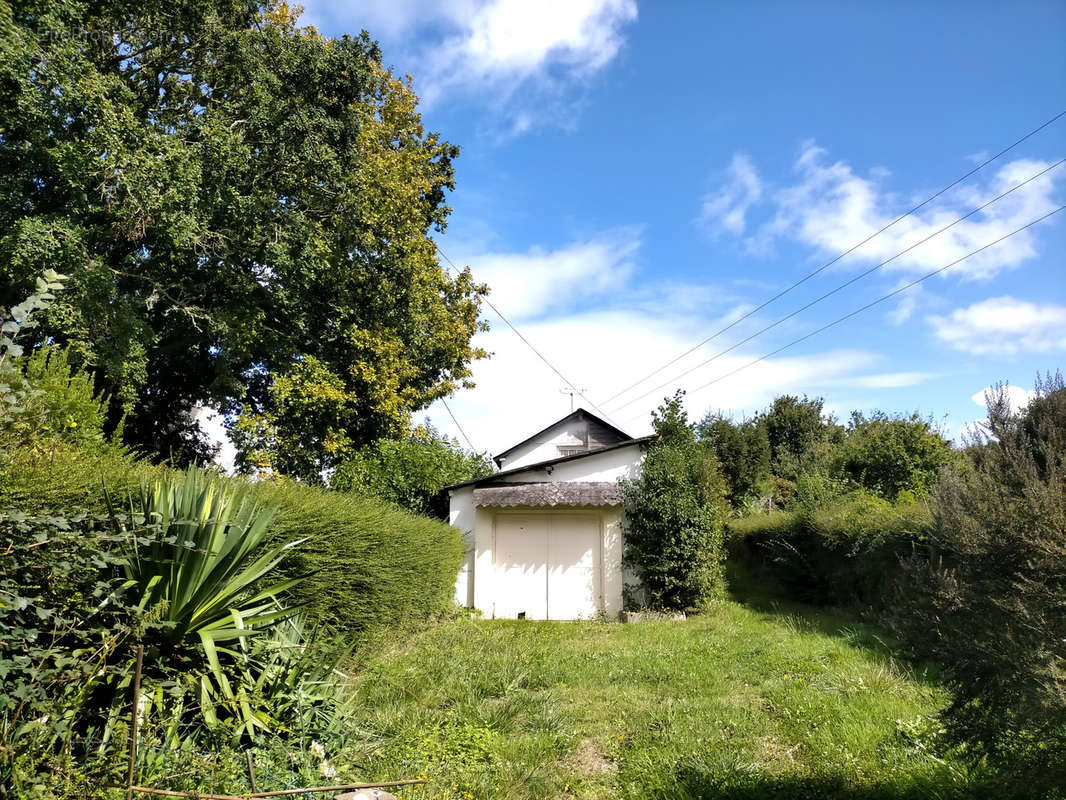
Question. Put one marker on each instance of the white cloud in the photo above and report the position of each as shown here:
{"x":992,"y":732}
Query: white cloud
{"x":831,"y":208}
{"x":1003,"y":326}
{"x":1017,"y":396}
{"x":602,"y":351}
{"x":520,"y":58}
{"x":725,"y":210}
{"x":538,"y":281}
{"x":977,"y":430}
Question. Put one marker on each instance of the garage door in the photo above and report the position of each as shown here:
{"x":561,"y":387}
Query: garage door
{"x":547,"y":566}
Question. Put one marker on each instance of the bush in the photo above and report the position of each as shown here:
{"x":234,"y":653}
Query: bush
{"x":411,"y":472}
{"x":892,"y":454}
{"x":370,"y":565}
{"x":849,"y":550}
{"x":54,"y":401}
{"x":674,"y":516}
{"x":64,"y":627}
{"x":76,"y":593}
{"x":993,"y":613}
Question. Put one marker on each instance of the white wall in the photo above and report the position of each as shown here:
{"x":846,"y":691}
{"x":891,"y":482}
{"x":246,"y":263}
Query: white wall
{"x":461,"y":516}
{"x":547,"y":443}
{"x":622,"y":462}
{"x":475,"y":586}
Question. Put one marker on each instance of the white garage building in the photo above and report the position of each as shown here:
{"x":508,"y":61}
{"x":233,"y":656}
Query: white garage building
{"x":544,"y":535}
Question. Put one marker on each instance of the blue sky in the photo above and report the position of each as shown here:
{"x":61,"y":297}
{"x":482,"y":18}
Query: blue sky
{"x":635,"y":175}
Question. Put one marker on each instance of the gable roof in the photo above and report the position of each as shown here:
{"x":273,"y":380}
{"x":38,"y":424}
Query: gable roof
{"x":640,"y":440}
{"x":579,"y":414}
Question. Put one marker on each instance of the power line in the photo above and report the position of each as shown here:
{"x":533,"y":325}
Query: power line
{"x":529,"y":344}
{"x":457,"y":425}
{"x":828,"y":264}
{"x":844,"y":285}
{"x":874,"y":303}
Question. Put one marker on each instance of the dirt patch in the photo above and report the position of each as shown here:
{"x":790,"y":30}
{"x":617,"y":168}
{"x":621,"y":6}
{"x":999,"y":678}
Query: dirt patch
{"x":590,"y":761}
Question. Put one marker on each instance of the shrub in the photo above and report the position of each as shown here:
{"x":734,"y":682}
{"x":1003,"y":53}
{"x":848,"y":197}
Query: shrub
{"x":370,"y":565}
{"x":54,"y":401}
{"x":993,"y":614}
{"x":848,"y":550}
{"x":194,"y":558}
{"x":77,"y":592}
{"x":891,"y":454}
{"x":674,"y":516}
{"x":411,"y":472}
{"x":64,"y":626}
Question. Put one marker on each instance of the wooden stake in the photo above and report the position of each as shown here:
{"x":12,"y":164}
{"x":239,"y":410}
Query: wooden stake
{"x":134,"y":720}
{"x":202,"y":796}
{"x":195,"y":795}
{"x":251,"y":771}
{"x":350,"y":786}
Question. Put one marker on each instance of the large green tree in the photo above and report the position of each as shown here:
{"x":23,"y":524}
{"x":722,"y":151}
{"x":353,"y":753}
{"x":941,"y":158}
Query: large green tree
{"x":243,"y":207}
{"x":794,"y":428}
{"x":674,"y":515}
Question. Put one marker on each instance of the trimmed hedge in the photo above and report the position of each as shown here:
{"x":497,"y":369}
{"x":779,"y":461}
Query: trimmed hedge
{"x":372,"y":565}
{"x":849,"y":551}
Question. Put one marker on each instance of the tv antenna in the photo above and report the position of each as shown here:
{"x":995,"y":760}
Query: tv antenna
{"x":570,"y":390}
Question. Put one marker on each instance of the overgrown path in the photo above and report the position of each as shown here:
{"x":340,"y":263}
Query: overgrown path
{"x":742,"y":702}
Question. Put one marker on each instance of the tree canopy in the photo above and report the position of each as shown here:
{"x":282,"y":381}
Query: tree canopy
{"x":244,"y":209}
{"x":412,"y":472}
{"x":674,"y":514}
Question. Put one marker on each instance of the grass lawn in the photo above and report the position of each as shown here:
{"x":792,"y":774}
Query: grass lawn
{"x":746,"y":701}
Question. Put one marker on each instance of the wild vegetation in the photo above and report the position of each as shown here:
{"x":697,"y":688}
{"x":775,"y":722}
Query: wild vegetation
{"x":211,"y":206}
{"x":960,"y":553}
{"x":243,"y":208}
{"x":248,"y":599}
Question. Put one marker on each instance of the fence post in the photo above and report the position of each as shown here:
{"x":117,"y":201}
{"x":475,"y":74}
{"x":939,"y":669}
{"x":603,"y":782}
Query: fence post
{"x":133,"y":721}
{"x":251,"y":770}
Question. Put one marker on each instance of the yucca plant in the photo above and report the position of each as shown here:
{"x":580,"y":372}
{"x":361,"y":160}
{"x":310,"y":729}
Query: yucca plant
{"x":295,"y":676}
{"x":195,"y":561}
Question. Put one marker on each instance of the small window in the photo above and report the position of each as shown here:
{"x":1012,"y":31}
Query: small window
{"x":571,"y":451}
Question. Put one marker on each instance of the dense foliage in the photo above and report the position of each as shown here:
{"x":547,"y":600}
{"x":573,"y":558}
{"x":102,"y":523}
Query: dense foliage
{"x":199,"y":570}
{"x":743,"y":450}
{"x":765,"y":460}
{"x":962,"y":553}
{"x":64,"y":625}
{"x":178,"y":575}
{"x":411,"y":472}
{"x":993,"y":612}
{"x":674,"y":514}
{"x":43,"y":397}
{"x":845,"y":551}
{"x":242,"y":207}
{"x":891,"y":454}
{"x":370,"y":565}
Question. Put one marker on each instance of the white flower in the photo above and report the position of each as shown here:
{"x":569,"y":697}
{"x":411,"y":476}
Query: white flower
{"x":317,"y":749}
{"x":327,"y":770}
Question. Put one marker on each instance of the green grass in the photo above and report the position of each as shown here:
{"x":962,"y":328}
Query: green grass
{"x":749,"y":700}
